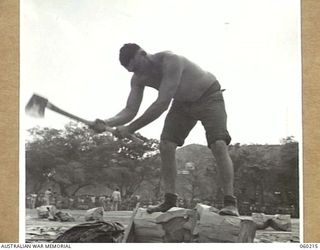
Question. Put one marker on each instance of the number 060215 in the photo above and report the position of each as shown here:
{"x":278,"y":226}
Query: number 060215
{"x":308,"y":246}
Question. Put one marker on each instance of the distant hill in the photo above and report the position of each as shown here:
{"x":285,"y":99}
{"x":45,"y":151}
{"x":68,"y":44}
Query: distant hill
{"x":267,"y":175}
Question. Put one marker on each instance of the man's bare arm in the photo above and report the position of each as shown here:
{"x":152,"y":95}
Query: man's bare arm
{"x":132,"y":107}
{"x":170,"y":81}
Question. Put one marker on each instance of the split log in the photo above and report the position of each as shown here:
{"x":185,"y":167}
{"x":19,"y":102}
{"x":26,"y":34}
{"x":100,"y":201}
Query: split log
{"x":279,"y":222}
{"x":57,"y":215}
{"x":44,"y":211}
{"x":175,"y":225}
{"x":50,"y":212}
{"x":129,"y":231}
{"x":61,"y":216}
{"x":94,"y":214}
{"x":213,"y":227}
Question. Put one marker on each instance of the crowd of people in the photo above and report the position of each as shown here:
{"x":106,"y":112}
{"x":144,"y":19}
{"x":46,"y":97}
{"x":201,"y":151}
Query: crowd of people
{"x":111,"y":202}
{"x":115,"y":202}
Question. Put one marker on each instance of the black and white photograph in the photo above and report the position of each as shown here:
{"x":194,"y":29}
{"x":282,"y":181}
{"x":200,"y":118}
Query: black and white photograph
{"x":160,"y":121}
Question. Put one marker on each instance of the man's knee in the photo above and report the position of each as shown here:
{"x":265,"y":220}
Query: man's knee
{"x":167,"y":146}
{"x":219,"y":147}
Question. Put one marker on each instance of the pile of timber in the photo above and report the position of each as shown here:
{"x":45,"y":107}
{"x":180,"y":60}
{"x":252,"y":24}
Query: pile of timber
{"x":279,"y":222}
{"x":94,"y":214}
{"x":212,"y":227}
{"x":176,"y":225}
{"x":202,"y":224}
{"x":44,"y":211}
{"x":273,"y":228}
{"x":52,"y":213}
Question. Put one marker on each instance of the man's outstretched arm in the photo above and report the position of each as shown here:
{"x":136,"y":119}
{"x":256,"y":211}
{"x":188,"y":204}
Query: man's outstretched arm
{"x":132,"y":107}
{"x":170,"y":81}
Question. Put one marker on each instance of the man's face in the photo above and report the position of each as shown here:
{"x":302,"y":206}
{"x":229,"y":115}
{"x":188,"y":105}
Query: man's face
{"x":138,"y":63}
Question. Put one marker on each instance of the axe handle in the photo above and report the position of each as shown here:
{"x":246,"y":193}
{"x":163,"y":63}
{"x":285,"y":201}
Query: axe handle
{"x":79,"y":119}
{"x":67,"y":114}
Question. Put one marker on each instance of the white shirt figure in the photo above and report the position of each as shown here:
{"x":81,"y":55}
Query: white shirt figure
{"x":116,"y":199}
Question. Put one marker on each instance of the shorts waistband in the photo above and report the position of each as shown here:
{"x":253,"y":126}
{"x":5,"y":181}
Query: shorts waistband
{"x":214,"y":87}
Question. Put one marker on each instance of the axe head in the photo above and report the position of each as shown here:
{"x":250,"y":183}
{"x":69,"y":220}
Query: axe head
{"x":36,"y":106}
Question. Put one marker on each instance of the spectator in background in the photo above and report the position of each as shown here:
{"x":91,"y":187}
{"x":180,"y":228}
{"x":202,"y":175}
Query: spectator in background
{"x":28,"y":201}
{"x":71,"y":202}
{"x":33,"y":200}
{"x":107,"y":203}
{"x":101,"y":200}
{"x":116,"y":199}
{"x":97,"y":201}
{"x":93,"y":200}
{"x":47,"y":197}
{"x":133,"y":201}
{"x":39,"y":200}
{"x":54,"y":198}
{"x":87,"y":201}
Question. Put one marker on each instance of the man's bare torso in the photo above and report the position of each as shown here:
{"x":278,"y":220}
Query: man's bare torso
{"x":193,"y":82}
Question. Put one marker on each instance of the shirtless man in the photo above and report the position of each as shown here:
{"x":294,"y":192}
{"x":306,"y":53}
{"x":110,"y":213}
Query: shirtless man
{"x":196,"y":95}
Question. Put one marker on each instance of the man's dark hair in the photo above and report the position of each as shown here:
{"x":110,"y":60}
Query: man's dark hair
{"x":127,"y":52}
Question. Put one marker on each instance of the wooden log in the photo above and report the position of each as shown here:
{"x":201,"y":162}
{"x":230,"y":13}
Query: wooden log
{"x":279,"y":222}
{"x":94,"y":214}
{"x":45,"y":211}
{"x":175,"y":225}
{"x":213,"y":227}
{"x":178,"y":225}
{"x":261,"y":220}
{"x":129,"y":231}
{"x":271,"y":236}
{"x":61,"y":216}
{"x":202,"y":208}
{"x":146,"y":229}
{"x":50,"y":212}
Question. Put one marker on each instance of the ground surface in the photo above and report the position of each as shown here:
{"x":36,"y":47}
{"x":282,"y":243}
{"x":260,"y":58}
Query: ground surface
{"x":43,"y":230}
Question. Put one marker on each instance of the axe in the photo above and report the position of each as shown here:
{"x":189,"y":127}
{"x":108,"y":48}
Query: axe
{"x":37,"y":105}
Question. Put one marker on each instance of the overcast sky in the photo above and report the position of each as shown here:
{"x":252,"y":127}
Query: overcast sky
{"x":69,"y":54}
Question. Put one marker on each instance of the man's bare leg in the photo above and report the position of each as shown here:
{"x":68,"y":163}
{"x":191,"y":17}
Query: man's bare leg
{"x":169,"y":174}
{"x":168,"y":166}
{"x":226,"y":175}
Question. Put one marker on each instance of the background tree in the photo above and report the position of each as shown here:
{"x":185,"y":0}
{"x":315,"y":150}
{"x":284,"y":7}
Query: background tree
{"x":76,"y":157}
{"x":289,"y":174}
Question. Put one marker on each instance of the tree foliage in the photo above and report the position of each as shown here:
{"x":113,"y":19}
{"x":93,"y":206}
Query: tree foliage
{"x":266,"y":175}
{"x":76,"y":157}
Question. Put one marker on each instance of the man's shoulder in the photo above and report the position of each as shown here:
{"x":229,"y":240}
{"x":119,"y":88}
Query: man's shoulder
{"x":163,"y":53}
{"x":169,"y":59}
{"x":167,"y":54}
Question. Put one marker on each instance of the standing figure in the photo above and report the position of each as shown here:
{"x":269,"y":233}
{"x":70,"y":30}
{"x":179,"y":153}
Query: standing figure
{"x":196,"y":95}
{"x":47,"y":197}
{"x":116,"y":199}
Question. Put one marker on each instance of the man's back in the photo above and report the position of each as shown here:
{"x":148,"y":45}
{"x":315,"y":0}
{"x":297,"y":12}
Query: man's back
{"x":116,"y":196}
{"x":193,"y":82}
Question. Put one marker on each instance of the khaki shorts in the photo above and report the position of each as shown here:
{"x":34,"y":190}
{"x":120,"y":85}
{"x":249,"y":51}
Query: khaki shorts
{"x":183,"y":116}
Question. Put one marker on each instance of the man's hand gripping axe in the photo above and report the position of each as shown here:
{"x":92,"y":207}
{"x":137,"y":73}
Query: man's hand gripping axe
{"x":37,"y":105}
